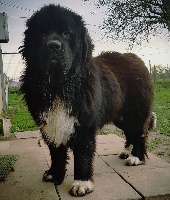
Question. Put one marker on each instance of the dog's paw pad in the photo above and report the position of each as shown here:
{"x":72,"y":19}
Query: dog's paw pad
{"x":133,"y":161}
{"x":124,"y":155}
{"x":81,"y":188}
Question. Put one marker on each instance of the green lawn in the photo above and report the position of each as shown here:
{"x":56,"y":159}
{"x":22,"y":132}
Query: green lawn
{"x":22,"y":121}
{"x":161,"y":106}
{"x":18,"y":113}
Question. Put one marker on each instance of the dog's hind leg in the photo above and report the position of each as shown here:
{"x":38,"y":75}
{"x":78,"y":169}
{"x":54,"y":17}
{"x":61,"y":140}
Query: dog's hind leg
{"x":128,"y":145}
{"x":138,"y":147}
{"x":127,"y":150}
{"x":84,"y":149}
{"x":136,"y":142}
{"x":57,"y":171}
{"x":135,"y":145}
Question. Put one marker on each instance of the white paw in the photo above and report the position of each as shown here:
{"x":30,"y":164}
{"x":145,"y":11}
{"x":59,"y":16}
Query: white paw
{"x":81,"y":188}
{"x":133,"y":161}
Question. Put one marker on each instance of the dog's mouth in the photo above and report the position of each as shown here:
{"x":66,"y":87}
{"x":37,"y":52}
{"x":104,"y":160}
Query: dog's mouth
{"x":56,"y":52}
{"x":57,"y":66}
{"x":55,"y":57}
{"x":58,"y":61}
{"x":54,"y":61}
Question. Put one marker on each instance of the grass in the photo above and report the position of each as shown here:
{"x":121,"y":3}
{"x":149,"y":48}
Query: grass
{"x":161,"y":106}
{"x":22,"y":121}
{"x":118,"y":132}
{"x":18,"y":113}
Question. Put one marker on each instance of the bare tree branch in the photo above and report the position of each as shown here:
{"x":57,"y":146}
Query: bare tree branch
{"x":134,"y":21}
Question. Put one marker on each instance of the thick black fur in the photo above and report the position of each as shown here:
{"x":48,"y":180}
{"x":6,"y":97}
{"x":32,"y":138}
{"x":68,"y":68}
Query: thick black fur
{"x":112,"y":87}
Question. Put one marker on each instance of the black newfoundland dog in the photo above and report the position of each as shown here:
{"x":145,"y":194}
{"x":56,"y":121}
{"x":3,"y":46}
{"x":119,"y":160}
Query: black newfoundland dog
{"x":71,"y":95}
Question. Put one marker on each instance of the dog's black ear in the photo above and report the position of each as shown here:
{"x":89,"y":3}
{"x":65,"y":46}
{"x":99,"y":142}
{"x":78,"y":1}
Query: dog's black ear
{"x":87,"y":47}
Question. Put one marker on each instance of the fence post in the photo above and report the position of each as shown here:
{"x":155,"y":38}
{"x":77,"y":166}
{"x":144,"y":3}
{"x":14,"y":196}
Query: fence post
{"x":6,"y":90}
{"x":2,"y":95}
{"x":1,"y":72}
{"x":1,"y":104}
{"x":154,"y":73}
{"x":150,"y":67}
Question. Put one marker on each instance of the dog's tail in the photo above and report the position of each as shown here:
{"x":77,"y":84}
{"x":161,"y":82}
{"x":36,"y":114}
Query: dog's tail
{"x":152,"y":121}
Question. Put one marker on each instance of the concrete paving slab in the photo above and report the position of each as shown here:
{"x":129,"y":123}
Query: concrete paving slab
{"x":21,"y":146}
{"x":45,"y":151}
{"x":26,"y":180}
{"x":110,"y":138}
{"x":30,"y":162}
{"x":113,"y":180}
{"x":101,"y":167}
{"x":150,"y":182}
{"x":27,"y":134}
{"x":30,"y":155}
{"x":108,"y":186}
{"x":26,"y":185}
{"x":109,"y":149}
{"x":4,"y":145}
{"x":109,"y":144}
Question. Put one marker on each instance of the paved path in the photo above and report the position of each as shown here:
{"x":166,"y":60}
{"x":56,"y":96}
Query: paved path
{"x":113,"y":180}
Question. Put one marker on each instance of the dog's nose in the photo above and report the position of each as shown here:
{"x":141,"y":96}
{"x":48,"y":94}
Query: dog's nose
{"x":54,"y":45}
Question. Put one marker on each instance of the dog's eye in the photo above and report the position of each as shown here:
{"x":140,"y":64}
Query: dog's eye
{"x":66,"y":34}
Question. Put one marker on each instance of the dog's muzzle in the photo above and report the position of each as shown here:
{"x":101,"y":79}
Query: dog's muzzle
{"x":57,"y":56}
{"x":54,"y":45}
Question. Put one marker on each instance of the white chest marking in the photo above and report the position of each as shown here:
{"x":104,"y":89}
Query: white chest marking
{"x":59,"y":125}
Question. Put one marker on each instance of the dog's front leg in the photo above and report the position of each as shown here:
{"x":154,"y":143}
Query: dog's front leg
{"x":84,"y":149}
{"x":57,"y":171}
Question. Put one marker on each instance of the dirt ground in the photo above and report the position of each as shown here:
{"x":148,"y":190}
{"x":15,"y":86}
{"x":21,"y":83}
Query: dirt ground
{"x":162,"y":145}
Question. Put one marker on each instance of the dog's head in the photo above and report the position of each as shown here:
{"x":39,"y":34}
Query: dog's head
{"x":56,"y":41}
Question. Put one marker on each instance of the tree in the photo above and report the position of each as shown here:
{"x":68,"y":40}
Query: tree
{"x":134,"y":20}
{"x":160,"y":72}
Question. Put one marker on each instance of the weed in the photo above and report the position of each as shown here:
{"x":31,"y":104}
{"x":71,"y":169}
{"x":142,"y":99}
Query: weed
{"x":6,"y":164}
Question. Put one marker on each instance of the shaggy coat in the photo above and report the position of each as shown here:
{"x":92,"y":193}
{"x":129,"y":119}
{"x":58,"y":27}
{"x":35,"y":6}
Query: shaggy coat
{"x":71,"y":95}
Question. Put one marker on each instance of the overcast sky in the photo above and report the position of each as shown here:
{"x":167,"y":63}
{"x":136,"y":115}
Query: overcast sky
{"x":157,"y":50}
